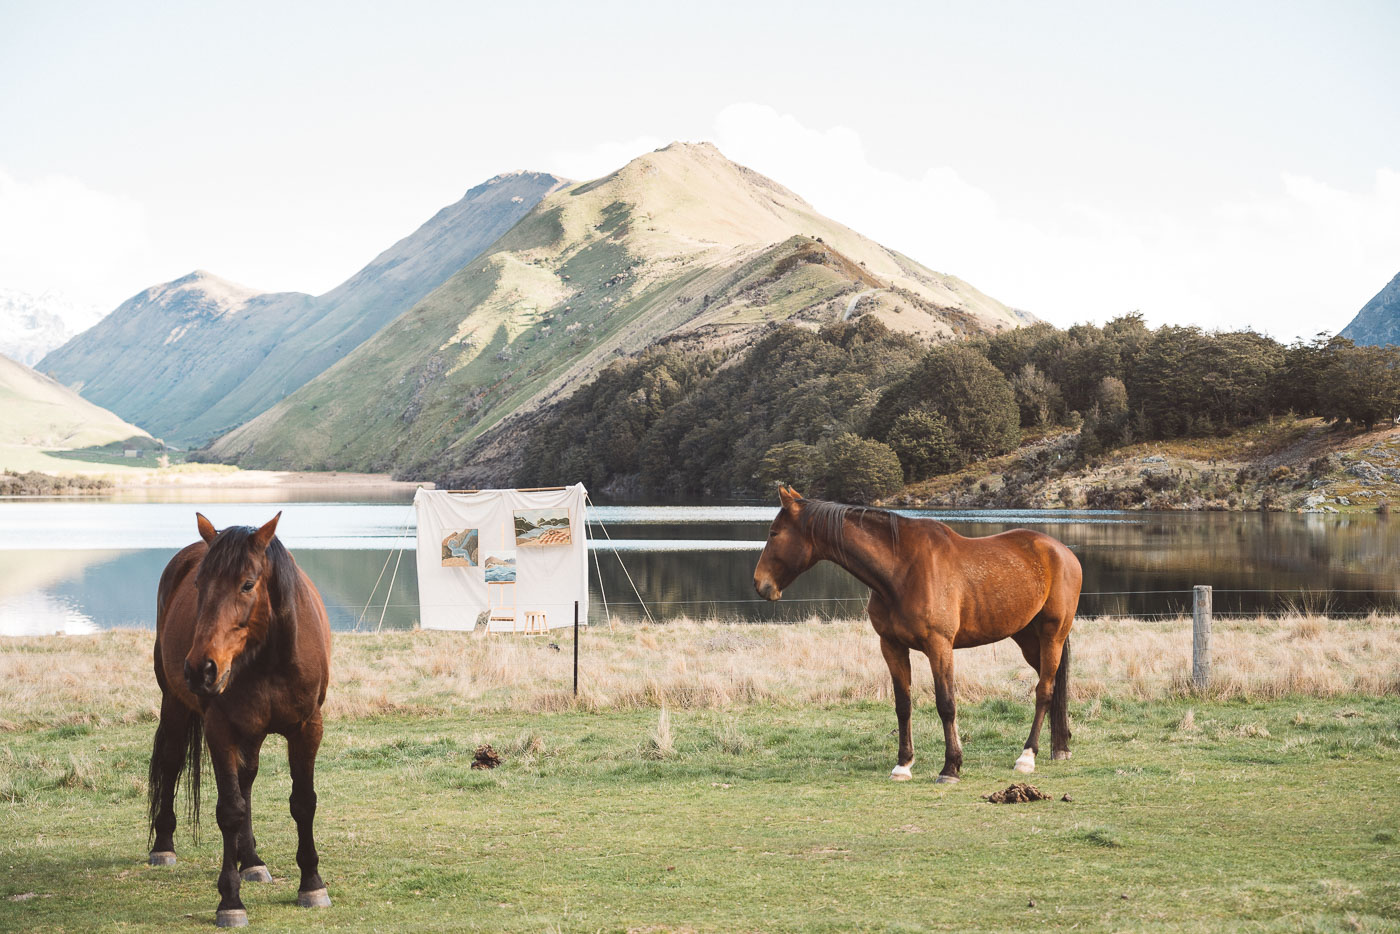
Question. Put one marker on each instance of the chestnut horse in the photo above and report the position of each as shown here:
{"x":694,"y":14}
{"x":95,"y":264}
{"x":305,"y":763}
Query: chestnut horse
{"x":242,"y":650}
{"x":933,"y":590}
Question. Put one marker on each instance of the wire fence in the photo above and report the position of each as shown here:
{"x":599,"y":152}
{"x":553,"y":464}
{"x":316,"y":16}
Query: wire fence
{"x":1310,"y":600}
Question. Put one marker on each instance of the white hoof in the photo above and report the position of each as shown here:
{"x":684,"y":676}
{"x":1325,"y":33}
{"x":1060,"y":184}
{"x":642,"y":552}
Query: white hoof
{"x":231,"y":918}
{"x":1026,"y":763}
{"x":256,"y":874}
{"x":902,"y":773}
{"x":317,"y":898}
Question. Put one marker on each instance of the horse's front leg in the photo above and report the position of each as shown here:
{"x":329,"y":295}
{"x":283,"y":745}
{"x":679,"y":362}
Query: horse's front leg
{"x":940,"y":657}
{"x":897,"y":658}
{"x":250,"y":865}
{"x":302,"y":745}
{"x":231,"y":812}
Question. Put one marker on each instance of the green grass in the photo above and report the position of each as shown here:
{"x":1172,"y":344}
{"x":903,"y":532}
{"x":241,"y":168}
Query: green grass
{"x":111,"y":454}
{"x":1275,"y":816}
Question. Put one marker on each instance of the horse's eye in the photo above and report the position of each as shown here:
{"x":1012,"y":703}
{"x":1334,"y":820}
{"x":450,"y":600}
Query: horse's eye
{"x":247,"y":586}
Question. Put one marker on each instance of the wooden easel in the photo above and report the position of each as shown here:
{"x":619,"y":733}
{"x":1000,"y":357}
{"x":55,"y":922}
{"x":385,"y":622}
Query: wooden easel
{"x":501,"y":610}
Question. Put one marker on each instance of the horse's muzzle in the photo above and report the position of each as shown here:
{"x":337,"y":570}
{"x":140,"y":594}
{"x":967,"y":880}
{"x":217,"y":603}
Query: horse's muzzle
{"x":767,"y":589}
{"x":203,"y":679}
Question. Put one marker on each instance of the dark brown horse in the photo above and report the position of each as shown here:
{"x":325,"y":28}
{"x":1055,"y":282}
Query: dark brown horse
{"x":242,"y":650}
{"x":933,"y":590}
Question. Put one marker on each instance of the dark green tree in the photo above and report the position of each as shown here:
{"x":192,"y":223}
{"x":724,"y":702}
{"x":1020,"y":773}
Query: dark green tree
{"x":924,"y":444}
{"x":957,"y":382}
{"x":858,"y":470}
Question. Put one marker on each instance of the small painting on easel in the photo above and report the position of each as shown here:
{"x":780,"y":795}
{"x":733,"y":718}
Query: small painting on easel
{"x":459,"y":549}
{"x":500,"y":566}
{"x":537,"y":528}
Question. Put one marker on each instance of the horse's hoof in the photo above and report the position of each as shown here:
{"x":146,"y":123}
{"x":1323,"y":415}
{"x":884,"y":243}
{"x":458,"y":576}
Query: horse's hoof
{"x":256,"y":874}
{"x":902,"y":773}
{"x":1060,"y":754}
{"x":316,"y":898}
{"x":1026,"y":763}
{"x":231,"y":918}
{"x":946,"y":780}
{"x":161,"y":858}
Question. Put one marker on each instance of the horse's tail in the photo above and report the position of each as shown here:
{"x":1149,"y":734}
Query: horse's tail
{"x":191,"y":752}
{"x":1059,"y":701}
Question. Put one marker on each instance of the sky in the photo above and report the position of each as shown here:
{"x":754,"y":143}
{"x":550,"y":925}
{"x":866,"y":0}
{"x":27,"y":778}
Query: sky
{"x":1225,"y":165}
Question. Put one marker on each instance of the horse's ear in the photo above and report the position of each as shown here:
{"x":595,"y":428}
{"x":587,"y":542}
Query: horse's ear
{"x":206,"y":529}
{"x":263,"y":536}
{"x":788,"y":496}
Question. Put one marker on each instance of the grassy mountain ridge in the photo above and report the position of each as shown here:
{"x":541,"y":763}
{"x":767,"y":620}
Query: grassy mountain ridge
{"x":1378,"y":321}
{"x":194,"y":357}
{"x":42,"y":413}
{"x":679,"y":243}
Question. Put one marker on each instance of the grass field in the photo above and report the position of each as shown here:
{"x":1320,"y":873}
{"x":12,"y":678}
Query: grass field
{"x":757,"y":802}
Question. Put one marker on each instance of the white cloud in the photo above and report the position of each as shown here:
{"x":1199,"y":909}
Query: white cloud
{"x":1300,"y":258}
{"x":601,"y":159}
{"x":58,"y":234}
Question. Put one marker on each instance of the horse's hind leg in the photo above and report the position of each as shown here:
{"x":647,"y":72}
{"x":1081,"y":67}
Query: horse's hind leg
{"x":301,"y":753}
{"x":250,"y":865}
{"x":897,"y":658}
{"x":167,"y":761}
{"x":1028,"y":641}
{"x":1050,"y":642}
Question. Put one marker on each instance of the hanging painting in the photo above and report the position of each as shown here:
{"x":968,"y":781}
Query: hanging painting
{"x":459,"y":549}
{"x":537,"y":528}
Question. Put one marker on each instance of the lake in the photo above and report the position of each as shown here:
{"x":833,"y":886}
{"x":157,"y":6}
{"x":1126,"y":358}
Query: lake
{"x":78,"y":565}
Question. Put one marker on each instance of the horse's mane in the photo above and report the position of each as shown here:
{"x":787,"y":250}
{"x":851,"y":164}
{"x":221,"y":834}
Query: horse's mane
{"x":224,"y":560}
{"x":826,"y":522}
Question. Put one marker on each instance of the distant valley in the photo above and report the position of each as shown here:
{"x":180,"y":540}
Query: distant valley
{"x":192,"y":358}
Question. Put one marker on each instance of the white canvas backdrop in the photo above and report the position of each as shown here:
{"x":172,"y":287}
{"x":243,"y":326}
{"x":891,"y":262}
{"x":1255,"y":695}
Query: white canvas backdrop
{"x":548,"y":578}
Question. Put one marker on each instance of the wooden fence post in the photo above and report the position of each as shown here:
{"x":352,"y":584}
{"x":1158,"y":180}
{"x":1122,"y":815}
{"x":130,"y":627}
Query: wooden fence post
{"x":1200,"y":636}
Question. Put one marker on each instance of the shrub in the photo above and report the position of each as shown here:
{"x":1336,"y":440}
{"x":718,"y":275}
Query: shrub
{"x":924,"y":444}
{"x":858,"y":470}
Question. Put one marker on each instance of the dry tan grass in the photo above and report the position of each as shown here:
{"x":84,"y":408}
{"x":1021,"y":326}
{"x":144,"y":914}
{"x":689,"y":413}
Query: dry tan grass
{"x":56,"y":680}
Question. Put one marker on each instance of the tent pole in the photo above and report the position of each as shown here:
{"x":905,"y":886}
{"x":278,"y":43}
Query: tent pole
{"x":575,"y":648}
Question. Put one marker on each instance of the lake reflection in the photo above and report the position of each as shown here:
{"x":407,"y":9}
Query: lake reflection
{"x":76,"y":566}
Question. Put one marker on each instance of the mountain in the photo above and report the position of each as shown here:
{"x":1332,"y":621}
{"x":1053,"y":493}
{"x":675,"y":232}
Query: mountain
{"x":43,"y":414}
{"x":191,"y":358}
{"x":1378,"y":322}
{"x":32,"y":325}
{"x":680,"y":243}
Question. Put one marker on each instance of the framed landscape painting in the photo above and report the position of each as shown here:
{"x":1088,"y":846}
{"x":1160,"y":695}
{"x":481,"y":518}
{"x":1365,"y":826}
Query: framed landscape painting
{"x":538,"y":528}
{"x":500,"y":566}
{"x":459,"y":549}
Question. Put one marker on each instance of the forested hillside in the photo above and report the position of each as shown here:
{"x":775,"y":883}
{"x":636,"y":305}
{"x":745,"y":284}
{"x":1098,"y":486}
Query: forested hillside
{"x":855,"y":411}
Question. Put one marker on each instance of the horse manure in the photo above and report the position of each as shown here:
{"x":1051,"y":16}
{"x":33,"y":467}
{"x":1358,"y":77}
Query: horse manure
{"x":1067,"y":798}
{"x":1015,"y":793}
{"x":486,"y":757}
{"x":1030,"y":904}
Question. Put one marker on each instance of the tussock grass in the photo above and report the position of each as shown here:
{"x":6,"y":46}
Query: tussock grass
{"x":1271,"y":816}
{"x":73,"y":682}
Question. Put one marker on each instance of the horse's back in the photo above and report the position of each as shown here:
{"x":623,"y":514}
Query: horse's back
{"x":1008,"y":579}
{"x":311,"y":611}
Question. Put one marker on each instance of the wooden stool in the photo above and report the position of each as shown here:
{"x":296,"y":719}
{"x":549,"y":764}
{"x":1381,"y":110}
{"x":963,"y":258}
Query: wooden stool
{"x":535,"y":623}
